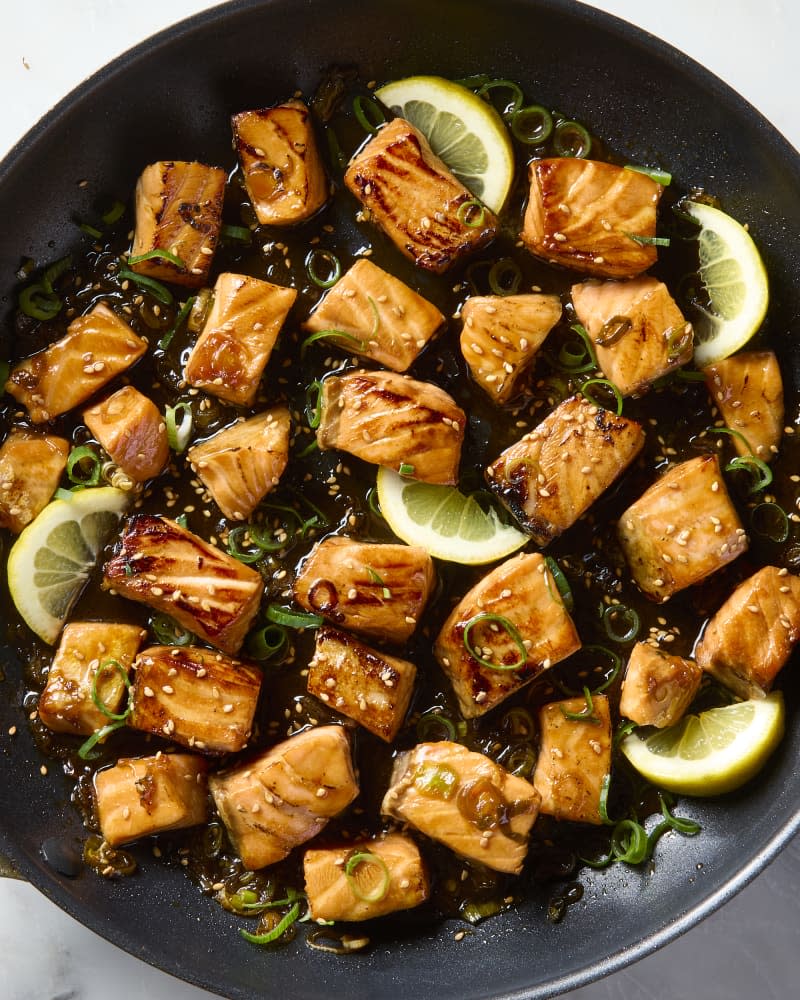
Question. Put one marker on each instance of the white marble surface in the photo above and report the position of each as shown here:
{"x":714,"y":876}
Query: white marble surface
{"x":745,"y":950}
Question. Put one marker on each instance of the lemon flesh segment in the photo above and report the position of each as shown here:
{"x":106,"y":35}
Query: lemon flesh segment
{"x":713,"y":752}
{"x":53,"y":557}
{"x":733,"y":274}
{"x":445,"y":522}
{"x":463,"y":130}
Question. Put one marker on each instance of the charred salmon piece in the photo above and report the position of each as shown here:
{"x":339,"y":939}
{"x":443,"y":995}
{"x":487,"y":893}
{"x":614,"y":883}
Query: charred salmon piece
{"x":522,"y":592}
{"x":584,"y":214}
{"x":554,"y":474}
{"x":412,"y":427}
{"x":96,"y":348}
{"x":748,"y":391}
{"x":574,"y":758}
{"x":752,"y":635}
{"x":465,"y":801}
{"x":243,"y":462}
{"x":408,"y":191}
{"x":140,"y":796}
{"x":383,"y":318}
{"x":178,"y":209}
{"x":501,"y":337}
{"x":365,"y":879}
{"x":131,"y":429}
{"x":87,"y":655}
{"x":31,"y":466}
{"x":272,"y":803}
{"x":658,"y":687}
{"x":638,"y":331}
{"x":370,"y":687}
{"x":378,"y":589}
{"x":196,"y":697}
{"x":236,"y":341}
{"x":282,"y":169}
{"x":681,"y":530}
{"x":172,"y":570}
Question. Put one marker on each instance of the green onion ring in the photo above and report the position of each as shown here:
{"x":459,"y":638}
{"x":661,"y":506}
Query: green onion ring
{"x":292,"y":619}
{"x":607,"y":385}
{"x":520,"y":722}
{"x":86,"y":748}
{"x":624,"y":729}
{"x":561,"y":582}
{"x":114,"y":213}
{"x":267,"y":642}
{"x":331,"y":334}
{"x":179,"y":434}
{"x":580,"y":329}
{"x":374,"y":504}
{"x":520,"y":761}
{"x":659,"y":176}
{"x":517,"y":96}
{"x":586,"y":714}
{"x":761,"y":516}
{"x":98,"y":701}
{"x":277,"y":931}
{"x":314,"y":404}
{"x":648,"y":241}
{"x":54,"y":272}
{"x":602,"y":807}
{"x":406,"y":469}
{"x":613,"y":330}
{"x":35,"y":301}
{"x":532,"y":125}
{"x":572,"y":139}
{"x":234,"y":543}
{"x":157,"y":254}
{"x":485,"y":617}
{"x":680,"y":824}
{"x":181,"y":318}
{"x":429,"y":721}
{"x":505,"y":276}
{"x":237,"y":234}
{"x":466,"y":217}
{"x":368,"y":858}
{"x":759,"y":471}
{"x":332,"y":262}
{"x":628,"y":614}
{"x":169,"y":632}
{"x":92,"y":231}
{"x":159,"y":292}
{"x":629,"y":842}
{"x":729,"y":430}
{"x":368,"y":114}
{"x":76,"y":459}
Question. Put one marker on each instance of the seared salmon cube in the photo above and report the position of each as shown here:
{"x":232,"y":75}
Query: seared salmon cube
{"x":520,"y":593}
{"x":178,"y":209}
{"x":90,"y":656}
{"x":174,"y":571}
{"x":748,"y":391}
{"x":377,"y":589}
{"x":242,"y":463}
{"x":365,"y":879}
{"x":502,"y":335}
{"x":682,"y":529}
{"x":409,"y":192}
{"x":465,"y":801}
{"x":131,"y":429}
{"x":638,"y":331}
{"x":585,"y":215}
{"x":31,"y":466}
{"x":550,"y":477}
{"x":751,"y":637}
{"x":392,"y":420}
{"x":140,"y":796}
{"x":383,"y":318}
{"x":658,"y":687}
{"x":96,"y":348}
{"x":196,"y":697}
{"x":370,"y":687}
{"x":236,"y":341}
{"x":282,"y":169}
{"x":574,"y":758}
{"x":285,"y":796}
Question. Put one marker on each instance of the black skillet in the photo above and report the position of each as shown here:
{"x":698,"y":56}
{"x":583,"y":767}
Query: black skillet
{"x":171,"y":97}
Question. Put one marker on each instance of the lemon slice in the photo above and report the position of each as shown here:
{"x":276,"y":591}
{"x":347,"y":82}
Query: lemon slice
{"x":443,"y":521}
{"x":463,"y":130}
{"x":733,"y":274}
{"x":713,"y":752}
{"x":51,"y":560}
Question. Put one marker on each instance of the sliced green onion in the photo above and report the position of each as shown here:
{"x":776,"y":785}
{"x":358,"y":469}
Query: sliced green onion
{"x":438,"y":781}
{"x":54,"y":272}
{"x":235,"y":542}
{"x":496,"y":623}
{"x":314,"y":404}
{"x":331,"y":263}
{"x":474,"y":912}
{"x":770,"y":520}
{"x":377,"y":578}
{"x":602,"y":807}
{"x":310,"y":448}
{"x":680,"y":824}
{"x":84,"y":468}
{"x":169,"y":632}
{"x":616,"y":666}
{"x":519,"y":722}
{"x":35,"y":301}
{"x":532,"y":125}
{"x":515,"y":103}
{"x":236,"y":234}
{"x":599,"y":863}
{"x":374,"y":504}
{"x":729,"y":430}
{"x":428,"y":724}
{"x":629,"y":842}
{"x":158,"y":254}
{"x":613,"y":330}
{"x":267,"y":642}
{"x":759,"y":472}
{"x":114,"y":213}
{"x":505,"y":276}
{"x":85,"y":749}
{"x":331,"y":335}
{"x":201,"y":307}
{"x":179,"y":434}
{"x":624,"y":729}
{"x":586,"y":714}
{"x":293,"y":619}
{"x":159,"y":292}
{"x":406,"y":469}
{"x":98,"y":701}
{"x":678,"y":340}
{"x":92,"y":231}
{"x":659,"y":176}
{"x":368,"y":114}
{"x":580,"y":329}
{"x":376,"y":318}
{"x":277,"y":931}
{"x":338,"y":159}
{"x":181,"y":318}
{"x":606,"y":385}
{"x":628,"y":618}
{"x":561,"y":582}
{"x":520,"y":761}
{"x":61,"y":494}
{"x":367,"y":858}
{"x":471,"y":214}
{"x":648,"y":241}
{"x":474,"y":82}
{"x":572,"y":139}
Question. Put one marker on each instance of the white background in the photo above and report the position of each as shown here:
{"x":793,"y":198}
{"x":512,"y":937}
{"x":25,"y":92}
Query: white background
{"x":747,"y":949}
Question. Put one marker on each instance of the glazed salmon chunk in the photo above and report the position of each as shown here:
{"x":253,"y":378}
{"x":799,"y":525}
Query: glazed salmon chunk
{"x":364,"y":879}
{"x":282,"y":169}
{"x":574,"y":758}
{"x":382,"y":318}
{"x":170,"y":569}
{"x":584,"y":214}
{"x":242,"y":463}
{"x":658,"y":687}
{"x":237,"y":338}
{"x":377,"y":589}
{"x":278,"y":800}
{"x":637,"y":330}
{"x":196,"y":697}
{"x":392,"y":420}
{"x":179,"y":210}
{"x":465,"y":801}
{"x":132,"y":430}
{"x":31,"y":466}
{"x":750,"y":638}
{"x":748,"y":391}
{"x":96,"y":348}
{"x":410,"y":193}
{"x":550,"y":477}
{"x":521,"y":592}
{"x":682,"y":529}
{"x":140,"y":796}
{"x":501,"y":336}
{"x":371,"y":687}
